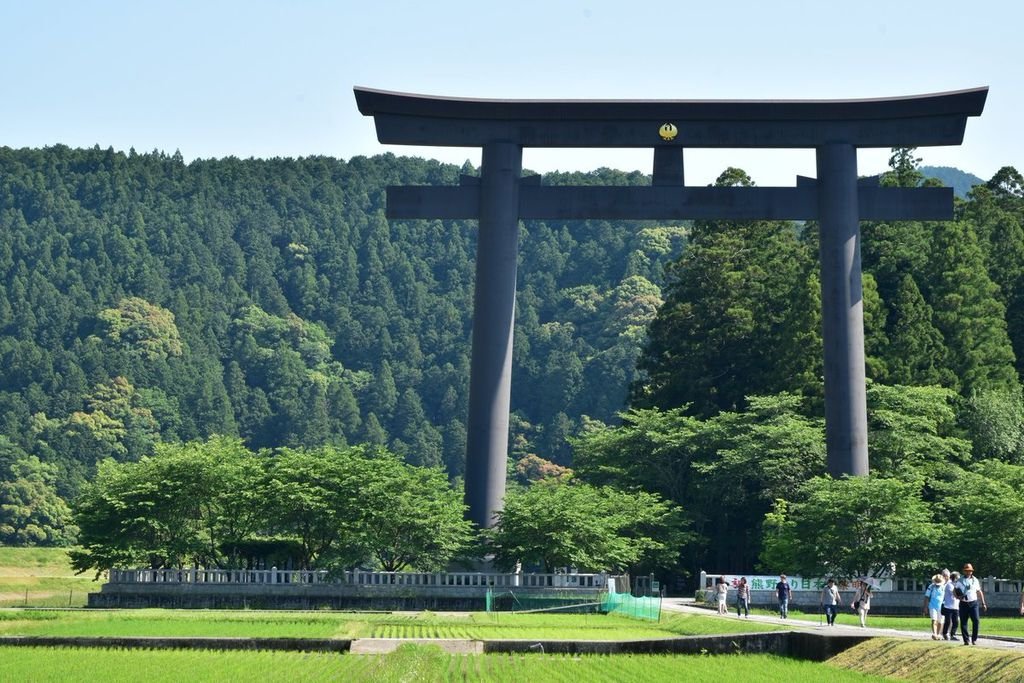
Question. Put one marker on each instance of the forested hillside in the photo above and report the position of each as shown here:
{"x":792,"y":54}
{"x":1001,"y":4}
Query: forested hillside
{"x":960,"y":181}
{"x":726,"y":421}
{"x":143,"y":299}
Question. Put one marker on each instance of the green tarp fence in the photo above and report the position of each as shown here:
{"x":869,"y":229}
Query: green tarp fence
{"x":607,"y":602}
{"x":646,"y":608}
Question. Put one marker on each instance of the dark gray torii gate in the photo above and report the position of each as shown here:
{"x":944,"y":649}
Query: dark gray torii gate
{"x":501,"y":197}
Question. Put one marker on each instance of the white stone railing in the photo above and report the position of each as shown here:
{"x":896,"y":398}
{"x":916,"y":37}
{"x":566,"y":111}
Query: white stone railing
{"x":274,"y":576}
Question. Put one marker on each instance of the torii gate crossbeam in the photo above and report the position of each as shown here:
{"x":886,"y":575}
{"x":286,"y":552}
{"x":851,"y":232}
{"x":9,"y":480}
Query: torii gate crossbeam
{"x":500,"y":198}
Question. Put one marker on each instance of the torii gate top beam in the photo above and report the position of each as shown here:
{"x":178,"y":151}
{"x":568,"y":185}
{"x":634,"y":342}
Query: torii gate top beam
{"x":916,"y":121}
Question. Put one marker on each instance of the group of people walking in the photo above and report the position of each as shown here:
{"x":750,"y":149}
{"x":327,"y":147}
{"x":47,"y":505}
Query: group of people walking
{"x":830,"y":598}
{"x":742,"y":596}
{"x":952,"y":598}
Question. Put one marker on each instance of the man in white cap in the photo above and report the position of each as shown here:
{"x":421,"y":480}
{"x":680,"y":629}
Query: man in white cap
{"x":970,"y":595}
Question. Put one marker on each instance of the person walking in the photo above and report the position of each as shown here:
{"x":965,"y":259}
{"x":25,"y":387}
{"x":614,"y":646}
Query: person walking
{"x":830,"y":600}
{"x":950,"y":605}
{"x":971,"y":595}
{"x":722,"y":588}
{"x":862,"y":601}
{"x":783,"y":593}
{"x":743,"y":598}
{"x":933,"y":605}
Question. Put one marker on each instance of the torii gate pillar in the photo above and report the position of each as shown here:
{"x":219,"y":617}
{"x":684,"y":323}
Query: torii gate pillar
{"x":490,"y":378}
{"x":842,"y":311}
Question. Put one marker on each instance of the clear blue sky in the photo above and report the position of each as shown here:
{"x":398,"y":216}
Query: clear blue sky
{"x":263,"y":79}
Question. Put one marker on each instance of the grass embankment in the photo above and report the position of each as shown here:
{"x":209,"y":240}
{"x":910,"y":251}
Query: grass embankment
{"x":41,"y":577}
{"x":913,"y":660}
{"x":409,"y":663}
{"x":275,"y":624}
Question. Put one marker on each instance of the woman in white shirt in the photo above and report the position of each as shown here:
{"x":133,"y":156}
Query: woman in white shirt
{"x":722,"y":589}
{"x":862,"y":601}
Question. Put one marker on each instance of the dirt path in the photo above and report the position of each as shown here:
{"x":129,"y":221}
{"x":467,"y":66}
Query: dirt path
{"x":380,"y":646}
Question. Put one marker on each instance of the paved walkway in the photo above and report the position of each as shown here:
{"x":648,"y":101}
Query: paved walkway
{"x":380,"y":646}
{"x":687,"y":605}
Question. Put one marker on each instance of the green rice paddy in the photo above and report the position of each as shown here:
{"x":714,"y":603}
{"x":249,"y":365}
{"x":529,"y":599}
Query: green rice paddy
{"x":345,"y":625}
{"x":409,"y":663}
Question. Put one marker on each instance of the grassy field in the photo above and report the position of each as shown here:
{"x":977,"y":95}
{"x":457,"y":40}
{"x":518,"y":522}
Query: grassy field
{"x":41,"y":577}
{"x":270,"y":624}
{"x":409,"y":663}
{"x":928,"y":661}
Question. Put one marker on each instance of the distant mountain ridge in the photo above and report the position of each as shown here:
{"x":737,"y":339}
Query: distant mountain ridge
{"x":960,"y":181}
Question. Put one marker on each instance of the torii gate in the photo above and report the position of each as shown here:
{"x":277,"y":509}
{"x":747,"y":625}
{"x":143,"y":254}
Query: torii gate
{"x":500,"y":197}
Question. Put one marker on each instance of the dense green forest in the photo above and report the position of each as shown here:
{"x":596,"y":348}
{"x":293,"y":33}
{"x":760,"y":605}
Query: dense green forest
{"x":145,"y":301}
{"x":726,"y":419}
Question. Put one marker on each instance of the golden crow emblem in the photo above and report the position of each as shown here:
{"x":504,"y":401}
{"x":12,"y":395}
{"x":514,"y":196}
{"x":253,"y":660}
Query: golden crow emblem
{"x":668,"y":131}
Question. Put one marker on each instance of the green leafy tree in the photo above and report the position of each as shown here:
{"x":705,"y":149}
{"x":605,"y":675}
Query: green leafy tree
{"x":913,"y":431}
{"x":650,"y":449}
{"x":996,"y":211}
{"x":316,"y":498}
{"x":748,"y":460}
{"x":857,"y":526}
{"x":409,"y":517}
{"x":1007,"y":182}
{"x":143,"y":328}
{"x":995,"y":423}
{"x":31,"y":512}
{"x":190,"y":504}
{"x":592,"y":528}
{"x":725,"y":471}
{"x":986,"y":506}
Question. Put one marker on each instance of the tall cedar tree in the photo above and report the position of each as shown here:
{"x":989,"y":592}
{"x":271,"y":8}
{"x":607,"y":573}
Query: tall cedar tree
{"x":739,"y":318}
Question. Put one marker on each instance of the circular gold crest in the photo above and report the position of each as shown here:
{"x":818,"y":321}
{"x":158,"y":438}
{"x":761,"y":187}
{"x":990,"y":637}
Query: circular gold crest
{"x":668,"y":131}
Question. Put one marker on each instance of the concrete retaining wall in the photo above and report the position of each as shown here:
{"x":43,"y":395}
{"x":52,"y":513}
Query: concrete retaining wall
{"x":176,"y":643}
{"x":310,"y":597}
{"x":801,"y":645}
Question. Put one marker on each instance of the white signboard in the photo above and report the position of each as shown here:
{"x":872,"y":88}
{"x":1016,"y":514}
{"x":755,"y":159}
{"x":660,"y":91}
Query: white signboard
{"x":797,"y":583}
